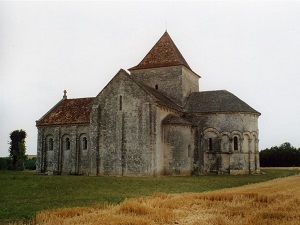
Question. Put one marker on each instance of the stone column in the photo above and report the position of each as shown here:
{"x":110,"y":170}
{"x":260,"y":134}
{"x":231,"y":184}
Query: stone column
{"x":257,"y":164}
{"x":39,"y":150}
{"x":56,"y":150}
{"x":249,"y":152}
{"x":77,"y":154}
{"x":94,"y":140}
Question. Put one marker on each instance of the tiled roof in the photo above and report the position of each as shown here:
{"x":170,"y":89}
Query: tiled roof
{"x":216,"y":101}
{"x":164,"y":53}
{"x":68,"y":111}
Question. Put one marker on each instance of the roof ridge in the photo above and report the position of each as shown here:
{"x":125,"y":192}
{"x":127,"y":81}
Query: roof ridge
{"x":78,"y":98}
{"x":164,"y":53}
{"x":211,"y":90}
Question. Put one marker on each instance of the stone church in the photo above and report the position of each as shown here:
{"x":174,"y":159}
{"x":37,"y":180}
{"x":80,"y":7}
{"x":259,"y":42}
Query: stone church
{"x":150,"y":121}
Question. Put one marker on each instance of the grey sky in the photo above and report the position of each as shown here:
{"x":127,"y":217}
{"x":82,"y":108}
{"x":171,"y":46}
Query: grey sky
{"x":251,"y":49}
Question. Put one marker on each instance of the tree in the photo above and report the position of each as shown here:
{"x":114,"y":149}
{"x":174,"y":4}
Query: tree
{"x":285,"y":155}
{"x":17,"y":149}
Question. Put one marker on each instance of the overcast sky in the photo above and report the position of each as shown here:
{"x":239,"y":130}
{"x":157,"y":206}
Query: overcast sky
{"x":250,"y":48}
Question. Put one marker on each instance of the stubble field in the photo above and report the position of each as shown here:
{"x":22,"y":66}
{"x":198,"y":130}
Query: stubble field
{"x":275,"y":202}
{"x":27,"y":197}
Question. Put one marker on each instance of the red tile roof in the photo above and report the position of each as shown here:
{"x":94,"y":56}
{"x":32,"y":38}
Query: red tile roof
{"x":68,"y":111}
{"x":164,"y":53}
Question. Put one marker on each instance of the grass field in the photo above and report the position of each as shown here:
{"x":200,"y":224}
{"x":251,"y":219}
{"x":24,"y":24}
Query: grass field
{"x":23,"y":194}
{"x":275,"y":202}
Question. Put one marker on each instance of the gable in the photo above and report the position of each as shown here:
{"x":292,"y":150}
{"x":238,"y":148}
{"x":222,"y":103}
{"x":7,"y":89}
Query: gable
{"x":122,"y":82}
{"x":119,"y":84}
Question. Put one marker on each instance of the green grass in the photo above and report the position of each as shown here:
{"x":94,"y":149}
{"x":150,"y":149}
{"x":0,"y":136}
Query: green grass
{"x":22,"y":194}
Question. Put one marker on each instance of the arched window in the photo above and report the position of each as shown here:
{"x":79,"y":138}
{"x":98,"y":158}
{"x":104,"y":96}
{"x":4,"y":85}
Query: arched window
{"x":210,"y":144}
{"x":235,"y":144}
{"x":84,"y":143}
{"x":120,"y":103}
{"x":68,"y":144}
{"x":156,"y":86}
{"x":50,"y":144}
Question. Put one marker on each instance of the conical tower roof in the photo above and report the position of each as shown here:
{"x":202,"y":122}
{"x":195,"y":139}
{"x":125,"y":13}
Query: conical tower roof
{"x":164,"y":53}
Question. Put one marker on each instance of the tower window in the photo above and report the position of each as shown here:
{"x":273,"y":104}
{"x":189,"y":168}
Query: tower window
{"x":210,"y":144}
{"x":189,"y":150}
{"x":235,"y":144}
{"x":156,"y":86}
{"x":120,"y":106}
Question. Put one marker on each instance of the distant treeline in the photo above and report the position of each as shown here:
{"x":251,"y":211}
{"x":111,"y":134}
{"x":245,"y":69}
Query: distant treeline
{"x":283,"y":156}
{"x":28,"y":164}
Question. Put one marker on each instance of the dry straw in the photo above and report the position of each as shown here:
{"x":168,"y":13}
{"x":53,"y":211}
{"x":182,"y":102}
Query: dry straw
{"x":275,"y":202}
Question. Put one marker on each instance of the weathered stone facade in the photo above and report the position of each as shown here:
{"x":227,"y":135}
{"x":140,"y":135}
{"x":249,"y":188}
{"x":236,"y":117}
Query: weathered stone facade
{"x":151,"y":121}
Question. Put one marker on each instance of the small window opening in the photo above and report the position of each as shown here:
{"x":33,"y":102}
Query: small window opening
{"x":68,"y":143}
{"x":156,"y":86}
{"x":84,"y":143}
{"x":120,"y":106}
{"x":189,"y":150}
{"x":210,"y":145}
{"x":235,"y":144}
{"x":50,"y":144}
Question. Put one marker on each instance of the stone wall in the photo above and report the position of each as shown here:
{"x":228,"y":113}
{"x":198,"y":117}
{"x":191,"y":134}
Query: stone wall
{"x":161,"y":114}
{"x":178,"y":149}
{"x":230,"y":143}
{"x":126,"y":129}
{"x":61,"y":149}
{"x":176,"y":82}
{"x":190,"y":82}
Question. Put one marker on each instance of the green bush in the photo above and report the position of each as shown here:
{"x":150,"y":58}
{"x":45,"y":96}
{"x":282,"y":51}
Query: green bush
{"x":28,"y":164}
{"x":5,"y":163}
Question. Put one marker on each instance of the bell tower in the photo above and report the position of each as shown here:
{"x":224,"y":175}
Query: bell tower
{"x":165,"y":70}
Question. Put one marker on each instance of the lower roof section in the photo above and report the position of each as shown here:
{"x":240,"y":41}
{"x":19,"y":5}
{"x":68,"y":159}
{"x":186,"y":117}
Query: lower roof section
{"x":216,"y":101}
{"x":68,"y":111}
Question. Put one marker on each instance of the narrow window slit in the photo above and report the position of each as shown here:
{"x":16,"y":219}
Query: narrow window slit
{"x":210,"y":146}
{"x":235,"y":144}
{"x":121,"y":102}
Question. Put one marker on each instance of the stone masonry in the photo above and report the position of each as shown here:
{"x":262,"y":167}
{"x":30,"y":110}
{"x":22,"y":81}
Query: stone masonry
{"x":151,"y":121}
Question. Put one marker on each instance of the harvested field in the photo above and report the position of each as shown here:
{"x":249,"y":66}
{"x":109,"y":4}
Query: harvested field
{"x":272,"y":202}
{"x":280,"y":168}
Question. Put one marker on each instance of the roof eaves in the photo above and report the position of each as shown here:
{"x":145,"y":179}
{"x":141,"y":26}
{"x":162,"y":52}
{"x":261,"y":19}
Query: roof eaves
{"x":49,"y":111}
{"x":63,"y":124}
